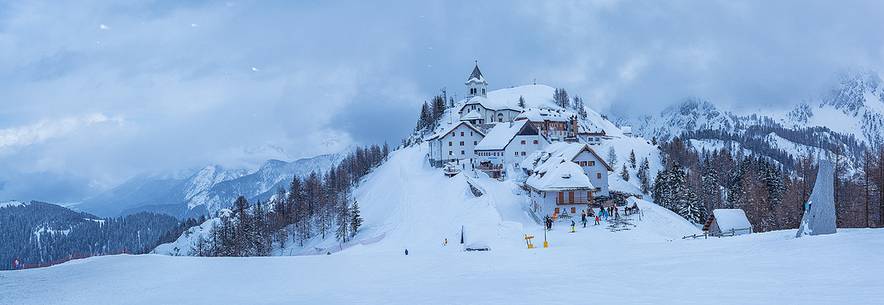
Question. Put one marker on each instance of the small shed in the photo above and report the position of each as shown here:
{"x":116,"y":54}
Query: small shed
{"x":727,"y":222}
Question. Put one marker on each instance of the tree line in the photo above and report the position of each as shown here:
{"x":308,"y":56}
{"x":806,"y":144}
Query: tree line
{"x":694,"y":183}
{"x":42,"y":234}
{"x":317,"y":206}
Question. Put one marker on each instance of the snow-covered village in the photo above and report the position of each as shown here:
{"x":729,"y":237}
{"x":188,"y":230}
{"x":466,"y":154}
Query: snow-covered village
{"x":604,"y":152}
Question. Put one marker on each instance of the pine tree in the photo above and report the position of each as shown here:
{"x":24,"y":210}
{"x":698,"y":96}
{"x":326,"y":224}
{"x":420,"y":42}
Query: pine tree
{"x":612,"y":157}
{"x":438,"y":109}
{"x":426,"y":117}
{"x":581,"y":109}
{"x":260,"y":234}
{"x":355,"y":219}
{"x":343,"y":222}
{"x":710,"y":187}
{"x":663,"y":189}
{"x":632,"y":161}
{"x":624,"y":173}
{"x":521,"y":102}
{"x":560,"y":96}
{"x":644,"y":176}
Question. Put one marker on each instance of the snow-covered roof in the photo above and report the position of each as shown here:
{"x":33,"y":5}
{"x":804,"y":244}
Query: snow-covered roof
{"x":451,"y":127}
{"x":545,"y":114}
{"x":499,"y":136}
{"x":557,"y":174}
{"x":476,"y":76}
{"x":731,"y":219}
{"x":472,"y":115}
{"x":535,"y":96}
{"x":563,"y":150}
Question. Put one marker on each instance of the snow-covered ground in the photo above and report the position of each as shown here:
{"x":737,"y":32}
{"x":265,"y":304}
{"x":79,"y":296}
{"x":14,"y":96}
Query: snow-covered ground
{"x":592,"y":266}
{"x":407,"y":204}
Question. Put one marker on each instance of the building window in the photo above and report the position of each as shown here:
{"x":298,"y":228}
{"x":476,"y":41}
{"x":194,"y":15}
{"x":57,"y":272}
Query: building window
{"x":461,"y":143}
{"x":461,"y":153}
{"x":535,"y":142}
{"x":471,"y":133}
{"x":517,"y":153}
{"x":591,"y":163}
{"x":475,"y":142}
{"x":449,"y":143}
{"x":461,"y":133}
{"x":598,"y":175}
{"x":523,"y":142}
{"x":523,"y":154}
{"x":450,"y":153}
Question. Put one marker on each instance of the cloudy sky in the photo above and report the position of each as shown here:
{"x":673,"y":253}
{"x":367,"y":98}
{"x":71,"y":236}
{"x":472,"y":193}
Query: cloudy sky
{"x":93,"y":92}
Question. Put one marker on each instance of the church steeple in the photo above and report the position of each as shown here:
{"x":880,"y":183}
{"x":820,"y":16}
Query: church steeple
{"x":476,"y":84}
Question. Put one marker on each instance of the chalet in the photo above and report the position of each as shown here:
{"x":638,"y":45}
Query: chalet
{"x":565,"y":178}
{"x":506,"y":145}
{"x":591,"y":135}
{"x":556,"y":125}
{"x":456,"y":143}
{"x":727,"y":222}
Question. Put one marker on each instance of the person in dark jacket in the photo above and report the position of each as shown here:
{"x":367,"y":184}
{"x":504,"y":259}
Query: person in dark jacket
{"x":406,"y":251}
{"x":583,"y":219}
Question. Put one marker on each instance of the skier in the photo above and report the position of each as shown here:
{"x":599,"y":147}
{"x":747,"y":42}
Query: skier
{"x":597,"y":220}
{"x":445,"y":242}
{"x":406,"y":251}
{"x":572,"y":226}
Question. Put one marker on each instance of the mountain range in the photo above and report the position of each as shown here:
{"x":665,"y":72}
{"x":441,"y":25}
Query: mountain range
{"x":203,"y":191}
{"x":848,"y":119}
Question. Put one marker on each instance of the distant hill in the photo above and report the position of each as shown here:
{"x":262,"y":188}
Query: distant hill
{"x":39,"y":233}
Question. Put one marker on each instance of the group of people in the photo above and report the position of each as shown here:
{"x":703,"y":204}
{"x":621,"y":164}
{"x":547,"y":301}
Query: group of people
{"x":590,"y":215}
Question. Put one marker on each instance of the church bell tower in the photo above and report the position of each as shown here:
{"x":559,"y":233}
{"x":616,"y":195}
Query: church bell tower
{"x":476,"y":84}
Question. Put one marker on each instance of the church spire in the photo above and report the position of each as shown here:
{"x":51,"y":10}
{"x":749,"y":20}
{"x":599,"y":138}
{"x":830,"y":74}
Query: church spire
{"x":477,"y":74}
{"x":476,"y":84}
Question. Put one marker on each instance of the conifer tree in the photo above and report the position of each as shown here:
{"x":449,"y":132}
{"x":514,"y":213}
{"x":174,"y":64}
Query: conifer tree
{"x":632,"y":161}
{"x":521,"y":102}
{"x":426,"y":117}
{"x":612,"y":157}
{"x":343,"y":223}
{"x":560,"y":96}
{"x":644,"y":176}
{"x":438,"y":109}
{"x":578,"y":105}
{"x":624,"y":173}
{"x":355,"y":219}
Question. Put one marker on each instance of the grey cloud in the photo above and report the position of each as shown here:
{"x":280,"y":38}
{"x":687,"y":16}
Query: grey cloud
{"x":332,"y":74}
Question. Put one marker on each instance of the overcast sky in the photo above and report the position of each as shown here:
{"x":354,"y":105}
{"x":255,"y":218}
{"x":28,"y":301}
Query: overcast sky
{"x":93,"y":92}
